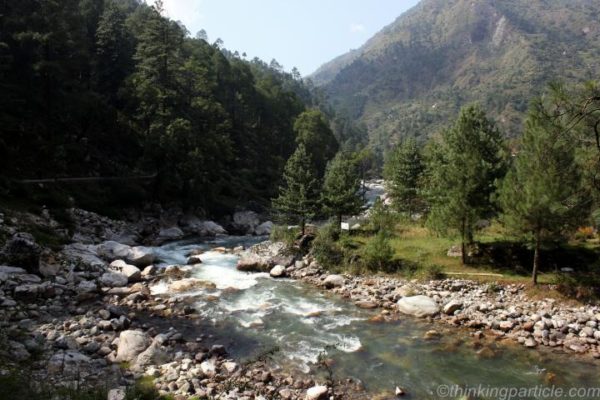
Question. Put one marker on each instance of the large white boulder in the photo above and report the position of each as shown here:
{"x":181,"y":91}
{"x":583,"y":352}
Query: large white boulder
{"x":277,"y":271}
{"x":419,"y":306}
{"x":132,"y":272}
{"x":140,"y":256}
{"x":131,"y":344}
{"x":317,"y":392}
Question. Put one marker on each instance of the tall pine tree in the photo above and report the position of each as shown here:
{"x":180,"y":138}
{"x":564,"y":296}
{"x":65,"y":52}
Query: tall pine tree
{"x":463,"y":170}
{"x":402,"y":172}
{"x":298,"y":199}
{"x":341,"y":188}
{"x":541,"y":196}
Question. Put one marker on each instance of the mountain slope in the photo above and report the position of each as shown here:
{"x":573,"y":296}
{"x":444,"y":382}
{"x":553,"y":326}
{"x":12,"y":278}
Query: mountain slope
{"x":415,"y":74}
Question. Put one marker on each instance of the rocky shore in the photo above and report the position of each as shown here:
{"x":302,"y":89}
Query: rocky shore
{"x":499,"y":311}
{"x":85,"y":315}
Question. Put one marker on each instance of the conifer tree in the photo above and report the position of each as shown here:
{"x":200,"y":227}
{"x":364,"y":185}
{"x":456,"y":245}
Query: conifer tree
{"x":298,"y":198}
{"x":402,"y":172}
{"x":463,"y":170}
{"x":341,"y":188}
{"x":312,"y":130}
{"x":541,"y":196}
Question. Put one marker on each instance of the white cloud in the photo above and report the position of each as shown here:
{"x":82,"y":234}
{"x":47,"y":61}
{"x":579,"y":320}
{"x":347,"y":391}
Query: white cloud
{"x":356,"y":28}
{"x":187,"y":11}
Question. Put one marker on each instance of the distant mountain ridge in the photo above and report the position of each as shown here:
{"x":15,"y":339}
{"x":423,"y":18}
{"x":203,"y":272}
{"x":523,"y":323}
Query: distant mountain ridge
{"x":413,"y":76}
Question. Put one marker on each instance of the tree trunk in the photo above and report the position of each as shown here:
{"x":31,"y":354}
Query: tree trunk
{"x":339,"y":221}
{"x":536,"y":256}
{"x":463,"y":248}
{"x":303,"y":226}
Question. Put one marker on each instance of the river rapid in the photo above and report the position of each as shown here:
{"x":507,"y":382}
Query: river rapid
{"x":251,"y":313}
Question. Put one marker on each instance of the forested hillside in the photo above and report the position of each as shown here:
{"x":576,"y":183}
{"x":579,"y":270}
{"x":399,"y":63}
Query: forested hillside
{"x":111,"y":88}
{"x":412,"y":77}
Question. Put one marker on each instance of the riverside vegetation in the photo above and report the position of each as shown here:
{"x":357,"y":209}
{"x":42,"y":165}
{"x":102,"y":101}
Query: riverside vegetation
{"x":166,"y":131}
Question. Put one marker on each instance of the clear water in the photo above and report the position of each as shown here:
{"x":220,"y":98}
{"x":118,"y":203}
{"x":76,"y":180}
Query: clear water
{"x":303,"y":322}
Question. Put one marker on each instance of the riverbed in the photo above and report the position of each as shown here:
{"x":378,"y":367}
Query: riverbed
{"x":303,"y":323}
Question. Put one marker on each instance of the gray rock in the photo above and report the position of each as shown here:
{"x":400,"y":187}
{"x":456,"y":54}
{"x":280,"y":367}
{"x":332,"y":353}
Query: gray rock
{"x":277,"y":271}
{"x":452,"y":306}
{"x":246,"y":221}
{"x":332,"y":281}
{"x":173,"y":233}
{"x":132,"y":272}
{"x":317,"y":392}
{"x":70,"y":363}
{"x":117,"y":394}
{"x":140,"y":256}
{"x":419,"y":306}
{"x":111,"y":250}
{"x":113,"y":279}
{"x":264,"y":229}
{"x":150,"y":270}
{"x":131,"y":344}
{"x":21,"y":250}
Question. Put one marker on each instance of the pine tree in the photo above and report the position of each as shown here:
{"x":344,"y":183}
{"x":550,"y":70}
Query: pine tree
{"x":541,"y":196}
{"x":462,"y":172}
{"x":402,"y":172}
{"x":341,"y":188}
{"x":298,"y":199}
{"x":312,"y":130}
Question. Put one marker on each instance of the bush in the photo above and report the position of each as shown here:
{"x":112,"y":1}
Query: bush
{"x":326,"y":249}
{"x":378,"y":254}
{"x":281,"y":233}
{"x":434,"y":272}
{"x":381,"y":219}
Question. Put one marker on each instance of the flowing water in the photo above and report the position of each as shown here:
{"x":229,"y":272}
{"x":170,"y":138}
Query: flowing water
{"x":262,"y":313}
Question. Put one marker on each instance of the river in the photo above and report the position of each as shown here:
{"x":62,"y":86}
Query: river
{"x":262,"y":313}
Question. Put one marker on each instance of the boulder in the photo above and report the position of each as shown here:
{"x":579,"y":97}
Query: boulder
{"x":277,"y":271}
{"x":111,"y":250}
{"x":253,"y":263}
{"x":131,"y":344}
{"x":68,"y":363}
{"x":193,"y":225}
{"x":452,"y":306}
{"x":21,"y":250}
{"x":117,"y":394}
{"x":194,"y":259}
{"x":86,"y":254}
{"x":264,"y":229}
{"x":246,"y":221}
{"x":150,"y":270}
{"x":188,"y":284}
{"x":140,"y":256}
{"x":209,"y":367}
{"x":153,"y":355}
{"x":132,"y":272}
{"x":317,"y":392}
{"x":418,"y":306}
{"x":113,"y":279}
{"x":332,"y":281}
{"x":167,"y":234}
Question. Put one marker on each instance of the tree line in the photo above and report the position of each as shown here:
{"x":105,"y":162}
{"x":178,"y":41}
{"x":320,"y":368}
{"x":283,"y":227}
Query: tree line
{"x":114,"y":88}
{"x":540,"y":187}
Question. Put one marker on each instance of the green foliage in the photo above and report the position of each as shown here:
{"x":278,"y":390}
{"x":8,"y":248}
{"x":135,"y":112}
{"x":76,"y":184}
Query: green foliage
{"x":325,"y":248}
{"x":313,"y":131}
{"x":434,"y":272}
{"x":542,"y":196}
{"x":462,"y":173}
{"x":381,"y":220}
{"x":341,"y":188}
{"x":281,"y":233}
{"x":113,"y":88}
{"x":297,"y":201}
{"x":378,"y":254}
{"x":402,"y":172}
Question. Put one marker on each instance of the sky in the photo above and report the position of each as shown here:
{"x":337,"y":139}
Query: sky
{"x":297,"y":33}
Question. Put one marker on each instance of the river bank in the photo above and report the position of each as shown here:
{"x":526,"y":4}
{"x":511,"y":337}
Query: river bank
{"x":110,"y":314}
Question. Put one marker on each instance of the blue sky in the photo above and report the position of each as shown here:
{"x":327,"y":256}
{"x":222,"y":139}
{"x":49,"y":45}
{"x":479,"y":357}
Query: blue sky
{"x":301,"y":33}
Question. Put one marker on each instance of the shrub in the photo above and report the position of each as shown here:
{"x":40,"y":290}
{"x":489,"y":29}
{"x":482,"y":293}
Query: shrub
{"x":378,"y":254}
{"x":326,"y":249}
{"x":282,"y":233}
{"x":381,"y":219}
{"x":434,"y":272}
